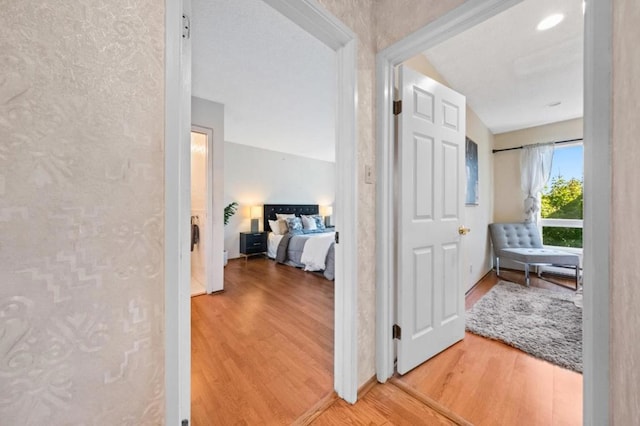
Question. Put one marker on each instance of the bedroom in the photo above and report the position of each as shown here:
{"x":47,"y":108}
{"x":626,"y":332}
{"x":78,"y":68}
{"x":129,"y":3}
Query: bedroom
{"x":273,"y":151}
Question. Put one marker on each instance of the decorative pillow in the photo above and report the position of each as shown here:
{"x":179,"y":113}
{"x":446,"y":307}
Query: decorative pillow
{"x":282,"y":216}
{"x":309,"y":223}
{"x":313,"y":231}
{"x":294,"y":224}
{"x":278,"y":227}
{"x":319,"y":222}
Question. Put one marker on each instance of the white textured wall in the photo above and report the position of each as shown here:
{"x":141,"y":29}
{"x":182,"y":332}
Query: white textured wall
{"x":476,"y":255}
{"x":509,"y":199}
{"x":625,"y":228}
{"x":254,"y":177}
{"x":81,"y":212}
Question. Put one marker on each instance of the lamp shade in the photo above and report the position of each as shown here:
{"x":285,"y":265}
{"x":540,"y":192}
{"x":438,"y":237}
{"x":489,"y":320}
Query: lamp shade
{"x":256,"y":212}
{"x":328,"y":210}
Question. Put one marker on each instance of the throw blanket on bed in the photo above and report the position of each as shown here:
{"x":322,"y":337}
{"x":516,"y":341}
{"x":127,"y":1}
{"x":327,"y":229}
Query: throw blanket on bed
{"x":315,"y":252}
{"x":281,"y":253}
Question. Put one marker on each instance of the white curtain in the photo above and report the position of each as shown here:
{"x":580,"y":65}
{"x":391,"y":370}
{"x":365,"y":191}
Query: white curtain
{"x":535,"y":169}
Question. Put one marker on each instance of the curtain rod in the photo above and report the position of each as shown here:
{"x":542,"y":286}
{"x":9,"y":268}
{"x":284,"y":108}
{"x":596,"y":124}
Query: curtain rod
{"x":520,"y":147}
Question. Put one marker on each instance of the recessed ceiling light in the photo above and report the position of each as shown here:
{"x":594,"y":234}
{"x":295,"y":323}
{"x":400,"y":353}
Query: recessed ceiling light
{"x":550,"y":21}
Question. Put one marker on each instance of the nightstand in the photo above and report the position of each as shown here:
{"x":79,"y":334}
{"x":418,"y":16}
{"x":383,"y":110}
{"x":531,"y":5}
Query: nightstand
{"x":252,"y":243}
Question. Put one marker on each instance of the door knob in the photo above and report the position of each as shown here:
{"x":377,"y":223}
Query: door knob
{"x":463,"y":231}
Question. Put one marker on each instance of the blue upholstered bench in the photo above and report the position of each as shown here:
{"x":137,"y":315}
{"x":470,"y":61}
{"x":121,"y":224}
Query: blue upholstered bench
{"x":521,"y":242}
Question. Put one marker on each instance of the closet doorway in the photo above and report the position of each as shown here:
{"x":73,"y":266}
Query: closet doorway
{"x":201,"y":204}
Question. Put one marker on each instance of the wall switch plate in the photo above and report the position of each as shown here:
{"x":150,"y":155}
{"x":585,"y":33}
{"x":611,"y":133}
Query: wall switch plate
{"x":368,"y":174}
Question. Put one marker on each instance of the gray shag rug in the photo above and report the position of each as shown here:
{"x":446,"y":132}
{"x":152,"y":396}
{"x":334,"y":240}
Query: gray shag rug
{"x":540,"y":322}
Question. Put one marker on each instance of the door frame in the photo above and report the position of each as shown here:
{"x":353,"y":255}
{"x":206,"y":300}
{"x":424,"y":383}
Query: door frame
{"x":316,"y":20}
{"x":597,"y":119}
{"x":208,"y":221}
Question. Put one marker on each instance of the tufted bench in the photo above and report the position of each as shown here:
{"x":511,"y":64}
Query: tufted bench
{"x":521,"y":242}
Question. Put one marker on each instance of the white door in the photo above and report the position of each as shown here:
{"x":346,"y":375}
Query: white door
{"x":431,"y":177}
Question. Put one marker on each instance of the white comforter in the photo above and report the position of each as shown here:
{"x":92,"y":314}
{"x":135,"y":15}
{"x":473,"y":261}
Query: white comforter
{"x":315,"y":251}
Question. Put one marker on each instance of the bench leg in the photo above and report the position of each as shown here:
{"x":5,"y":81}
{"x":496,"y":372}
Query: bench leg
{"x":526,"y":274}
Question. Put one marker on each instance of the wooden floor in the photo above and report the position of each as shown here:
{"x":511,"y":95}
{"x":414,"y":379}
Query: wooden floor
{"x":489,"y":383}
{"x":263,"y":351}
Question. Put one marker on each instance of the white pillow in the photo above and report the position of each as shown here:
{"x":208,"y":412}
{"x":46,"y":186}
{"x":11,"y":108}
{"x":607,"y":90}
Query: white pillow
{"x":278,"y":227}
{"x":309,"y":223}
{"x":282,"y":216}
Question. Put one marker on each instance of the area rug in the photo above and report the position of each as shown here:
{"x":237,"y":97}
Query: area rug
{"x":543,"y":323}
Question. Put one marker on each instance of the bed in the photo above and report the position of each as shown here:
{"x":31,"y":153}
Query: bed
{"x":300,"y":248}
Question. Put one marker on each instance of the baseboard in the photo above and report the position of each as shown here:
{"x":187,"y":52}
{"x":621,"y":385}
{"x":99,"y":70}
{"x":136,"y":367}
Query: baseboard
{"x":325,"y":403}
{"x":473,"y":287}
{"x":367,"y":386}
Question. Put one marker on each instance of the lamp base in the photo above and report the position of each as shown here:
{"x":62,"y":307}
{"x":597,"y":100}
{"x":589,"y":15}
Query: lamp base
{"x":255,"y":225}
{"x":327,"y":221}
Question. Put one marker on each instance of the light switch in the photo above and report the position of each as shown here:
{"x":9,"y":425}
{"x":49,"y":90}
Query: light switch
{"x":368,"y":174}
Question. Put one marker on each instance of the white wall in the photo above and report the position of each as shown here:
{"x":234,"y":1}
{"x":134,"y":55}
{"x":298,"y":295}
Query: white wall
{"x":210,"y":115}
{"x":476,"y":247}
{"x":509,"y":199}
{"x":255,"y":176}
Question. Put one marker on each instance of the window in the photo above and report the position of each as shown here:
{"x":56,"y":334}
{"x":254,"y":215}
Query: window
{"x":562,"y":198}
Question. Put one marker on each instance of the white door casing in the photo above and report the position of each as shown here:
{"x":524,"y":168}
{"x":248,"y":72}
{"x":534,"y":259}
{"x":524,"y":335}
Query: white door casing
{"x":177,"y":212}
{"x":431,"y":176}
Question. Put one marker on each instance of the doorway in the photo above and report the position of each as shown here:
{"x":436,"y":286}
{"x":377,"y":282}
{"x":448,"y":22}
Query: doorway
{"x":597,"y":123}
{"x":330,"y":31}
{"x":201,"y":218}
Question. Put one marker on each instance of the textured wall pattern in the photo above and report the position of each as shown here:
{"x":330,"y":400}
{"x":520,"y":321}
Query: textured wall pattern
{"x":396,"y":19}
{"x":81,"y":212}
{"x":625,"y":233}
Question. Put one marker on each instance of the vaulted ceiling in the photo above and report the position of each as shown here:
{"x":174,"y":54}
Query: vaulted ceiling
{"x":513,"y":75}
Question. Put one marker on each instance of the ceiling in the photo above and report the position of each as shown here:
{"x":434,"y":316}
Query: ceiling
{"x":511,"y":73}
{"x":276,"y":81}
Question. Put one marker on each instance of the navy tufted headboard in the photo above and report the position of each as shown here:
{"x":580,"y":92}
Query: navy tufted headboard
{"x":270,"y":211}
{"x":514,"y":235}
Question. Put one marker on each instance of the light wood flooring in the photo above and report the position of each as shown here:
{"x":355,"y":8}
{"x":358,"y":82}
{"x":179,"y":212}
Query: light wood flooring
{"x":262,"y":350}
{"x":263,"y":354}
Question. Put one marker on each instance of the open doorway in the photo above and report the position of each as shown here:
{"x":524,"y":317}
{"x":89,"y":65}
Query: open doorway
{"x":201,"y":201}
{"x":387,"y":60}
{"x":264,"y":302}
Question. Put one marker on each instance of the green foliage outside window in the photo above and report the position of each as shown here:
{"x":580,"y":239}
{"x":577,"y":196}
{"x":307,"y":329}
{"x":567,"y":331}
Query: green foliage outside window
{"x":562,"y":200}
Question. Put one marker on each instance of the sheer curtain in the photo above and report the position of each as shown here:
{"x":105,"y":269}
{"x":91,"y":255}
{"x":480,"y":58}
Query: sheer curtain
{"x":535,"y":169}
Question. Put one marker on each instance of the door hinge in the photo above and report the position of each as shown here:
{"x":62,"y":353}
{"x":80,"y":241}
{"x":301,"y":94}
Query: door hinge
{"x":337,"y":237}
{"x":186,"y":27}
{"x":397,"y":107}
{"x":396,"y":332}
{"x":185,"y":422}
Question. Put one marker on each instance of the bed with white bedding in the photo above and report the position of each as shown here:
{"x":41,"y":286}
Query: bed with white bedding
{"x":298,"y":238}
